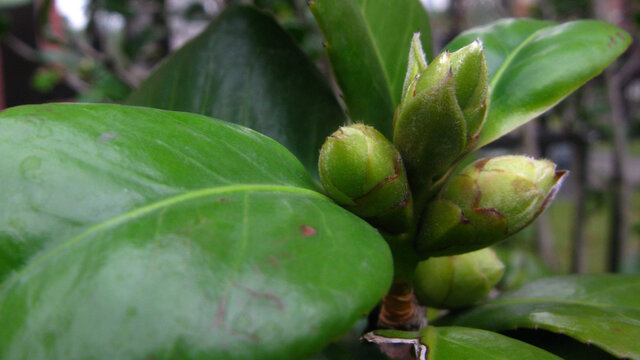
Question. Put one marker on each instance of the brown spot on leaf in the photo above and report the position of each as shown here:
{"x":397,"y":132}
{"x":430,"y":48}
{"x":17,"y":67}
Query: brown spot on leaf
{"x":264,"y":294}
{"x":108,"y":136}
{"x":307,"y":231}
{"x":619,"y":34}
{"x":223,"y":200}
{"x":616,"y":329}
{"x":274,"y":261}
{"x":613,"y":40}
{"x":221,"y":311}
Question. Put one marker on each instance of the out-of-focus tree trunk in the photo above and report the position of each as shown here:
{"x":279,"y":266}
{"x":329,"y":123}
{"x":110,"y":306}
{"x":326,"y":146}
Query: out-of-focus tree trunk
{"x":613,"y":12}
{"x":579,"y":170}
{"x":619,"y":181}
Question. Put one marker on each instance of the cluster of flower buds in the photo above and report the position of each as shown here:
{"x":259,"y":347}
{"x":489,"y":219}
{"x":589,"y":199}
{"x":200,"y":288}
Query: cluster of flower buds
{"x":442,"y":110}
{"x":362,"y":171}
{"x":440,"y":117}
{"x":485,"y":203}
{"x":450,"y":282}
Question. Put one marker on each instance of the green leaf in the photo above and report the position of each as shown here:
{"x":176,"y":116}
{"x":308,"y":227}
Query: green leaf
{"x":245,"y":69}
{"x":561,"y":345}
{"x":499,"y":39}
{"x":445,"y":343}
{"x":65,"y":167}
{"x":368,"y":46}
{"x":213,"y":243}
{"x":546,"y":68}
{"x":602,"y":310}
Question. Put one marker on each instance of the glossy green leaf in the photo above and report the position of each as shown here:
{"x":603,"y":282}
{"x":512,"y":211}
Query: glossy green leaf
{"x":602,"y":310}
{"x":214,"y":243}
{"x":499,"y":39}
{"x":446,"y":343}
{"x":65,"y":167}
{"x":368,"y":46}
{"x":561,"y":345}
{"x":245,"y":69}
{"x":547,"y":67}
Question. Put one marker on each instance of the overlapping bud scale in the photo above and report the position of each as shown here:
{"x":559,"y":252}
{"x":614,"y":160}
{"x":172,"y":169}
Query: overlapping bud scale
{"x":362,"y":171}
{"x":450,"y":282}
{"x":485,"y":203}
{"x":442,"y":110}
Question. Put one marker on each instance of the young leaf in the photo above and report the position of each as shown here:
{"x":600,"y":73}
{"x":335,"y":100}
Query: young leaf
{"x":245,"y":69}
{"x":602,"y":310}
{"x":212,"y":242}
{"x":445,"y":343}
{"x":367,"y":42}
{"x":544,"y":68}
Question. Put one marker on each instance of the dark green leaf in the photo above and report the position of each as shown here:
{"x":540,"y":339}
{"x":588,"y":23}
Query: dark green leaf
{"x":368,"y":45}
{"x":499,"y":39}
{"x":245,"y":69}
{"x":547,"y":67}
{"x":13,"y":3}
{"x":213,"y":245}
{"x":561,"y":345}
{"x":446,"y":343}
{"x":603,"y":310}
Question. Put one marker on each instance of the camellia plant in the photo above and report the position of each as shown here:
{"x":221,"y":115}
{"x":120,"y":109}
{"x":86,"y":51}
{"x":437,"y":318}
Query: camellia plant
{"x":153,"y":230}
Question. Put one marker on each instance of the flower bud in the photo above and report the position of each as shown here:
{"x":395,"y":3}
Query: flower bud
{"x":362,"y":171}
{"x":442,"y":109}
{"x":472,"y":86}
{"x":456,"y":281}
{"x":485,"y":203}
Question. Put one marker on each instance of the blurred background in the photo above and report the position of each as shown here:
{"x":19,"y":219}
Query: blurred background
{"x":99,"y":50}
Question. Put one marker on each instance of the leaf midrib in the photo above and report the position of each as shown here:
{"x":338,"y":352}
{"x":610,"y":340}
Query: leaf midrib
{"x":376,"y":49}
{"x":194,"y":194}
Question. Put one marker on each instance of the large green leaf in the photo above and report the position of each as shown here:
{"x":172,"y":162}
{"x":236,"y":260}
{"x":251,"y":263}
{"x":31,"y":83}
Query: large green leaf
{"x":213,"y":243}
{"x":499,"y":39}
{"x":603,"y":310}
{"x":445,"y":343}
{"x":64,"y":167}
{"x":245,"y":69}
{"x":544,"y":68}
{"x":368,"y":46}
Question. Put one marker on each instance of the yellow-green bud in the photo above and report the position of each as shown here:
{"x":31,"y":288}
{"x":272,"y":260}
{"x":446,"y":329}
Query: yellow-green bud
{"x":485,"y":203}
{"x":442,"y":109}
{"x":456,"y":281}
{"x":362,"y":171}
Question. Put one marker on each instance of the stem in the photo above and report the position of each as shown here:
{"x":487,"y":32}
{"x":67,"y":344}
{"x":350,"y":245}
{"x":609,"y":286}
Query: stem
{"x":400,"y":309}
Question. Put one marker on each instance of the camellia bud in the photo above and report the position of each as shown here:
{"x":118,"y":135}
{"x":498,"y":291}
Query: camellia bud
{"x":362,"y":171}
{"x":456,"y":281}
{"x":472,"y":86}
{"x":485,"y":203}
{"x":442,"y":110}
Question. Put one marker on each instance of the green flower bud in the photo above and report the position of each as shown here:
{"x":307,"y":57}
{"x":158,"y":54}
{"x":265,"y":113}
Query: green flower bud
{"x":472,"y":86}
{"x":442,"y":110}
{"x":456,"y":281}
{"x":485,"y":203}
{"x":362,"y":171}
